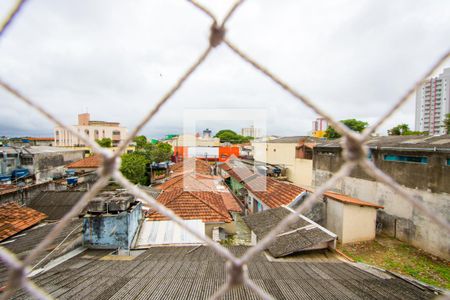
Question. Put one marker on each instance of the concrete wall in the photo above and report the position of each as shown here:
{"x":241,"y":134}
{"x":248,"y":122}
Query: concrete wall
{"x":302,"y":173}
{"x":230,"y":228}
{"x":111,"y":231}
{"x":47,"y":165}
{"x":399,"y":218}
{"x":359,"y":223}
{"x":334,"y":218}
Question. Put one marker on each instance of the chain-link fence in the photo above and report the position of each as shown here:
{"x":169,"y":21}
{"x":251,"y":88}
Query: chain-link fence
{"x":354,"y":154}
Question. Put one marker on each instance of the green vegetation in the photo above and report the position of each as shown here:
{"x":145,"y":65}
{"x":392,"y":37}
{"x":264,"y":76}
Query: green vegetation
{"x":447,"y":123}
{"x":228,"y":135}
{"x":353,"y":124}
{"x":134,"y":165}
{"x":104,"y":142}
{"x":403,"y":129}
{"x":398,"y":257}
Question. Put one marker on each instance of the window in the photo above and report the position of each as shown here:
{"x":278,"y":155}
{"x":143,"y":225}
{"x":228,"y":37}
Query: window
{"x":407,"y":159}
{"x":448,"y":161}
{"x":26,"y":160}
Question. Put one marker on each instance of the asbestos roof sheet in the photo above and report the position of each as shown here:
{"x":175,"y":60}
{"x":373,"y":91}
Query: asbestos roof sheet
{"x":193,"y":272}
{"x":15,"y":218}
{"x":301,"y":235}
{"x":169,"y":233}
{"x":55,"y":204}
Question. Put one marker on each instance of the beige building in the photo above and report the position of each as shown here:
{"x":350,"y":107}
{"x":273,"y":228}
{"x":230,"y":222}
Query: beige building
{"x":294,"y":154}
{"x":351,"y":219}
{"x":188,"y":140}
{"x":251,"y":131}
{"x":94,"y":129}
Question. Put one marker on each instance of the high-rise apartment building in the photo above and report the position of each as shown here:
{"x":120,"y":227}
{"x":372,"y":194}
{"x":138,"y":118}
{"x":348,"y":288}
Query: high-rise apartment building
{"x":94,"y":129}
{"x":319,"y":126}
{"x":432,"y":103}
{"x":251,"y":131}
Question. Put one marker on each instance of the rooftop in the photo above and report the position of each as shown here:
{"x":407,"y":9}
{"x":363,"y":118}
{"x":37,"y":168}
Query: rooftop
{"x":200,"y":166}
{"x":303,"y":234}
{"x":36,"y":149}
{"x":55,"y":204}
{"x":94,"y":161}
{"x":405,"y":142}
{"x":200,"y":205}
{"x":295,"y":140}
{"x":197,"y":272}
{"x":15,"y":218}
{"x":349,"y":200}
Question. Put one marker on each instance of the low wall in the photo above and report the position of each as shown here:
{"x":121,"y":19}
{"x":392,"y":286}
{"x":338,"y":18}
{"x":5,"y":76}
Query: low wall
{"x":399,"y":218}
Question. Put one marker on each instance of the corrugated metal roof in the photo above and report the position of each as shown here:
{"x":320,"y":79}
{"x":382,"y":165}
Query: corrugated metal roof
{"x":168,"y":232}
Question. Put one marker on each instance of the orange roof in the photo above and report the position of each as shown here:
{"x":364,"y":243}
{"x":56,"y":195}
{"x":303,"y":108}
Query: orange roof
{"x":205,"y":206}
{"x":94,"y":161}
{"x":201,"y":166}
{"x":15,"y":218}
{"x":349,"y":200}
{"x":189,"y":181}
{"x":272,"y":192}
{"x":230,"y":202}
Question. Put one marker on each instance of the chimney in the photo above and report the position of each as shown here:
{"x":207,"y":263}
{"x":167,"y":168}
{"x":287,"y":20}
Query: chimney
{"x":83,"y":119}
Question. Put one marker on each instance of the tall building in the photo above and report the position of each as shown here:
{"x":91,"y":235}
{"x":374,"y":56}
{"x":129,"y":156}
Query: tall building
{"x":94,"y":129}
{"x":319,"y":126}
{"x":251,"y":131}
{"x":432,"y":103}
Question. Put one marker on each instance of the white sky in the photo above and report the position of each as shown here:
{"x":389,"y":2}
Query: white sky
{"x":355,"y":58}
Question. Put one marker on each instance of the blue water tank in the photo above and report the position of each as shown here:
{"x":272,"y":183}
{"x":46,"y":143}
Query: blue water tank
{"x":19,"y":173}
{"x":72,"y":180}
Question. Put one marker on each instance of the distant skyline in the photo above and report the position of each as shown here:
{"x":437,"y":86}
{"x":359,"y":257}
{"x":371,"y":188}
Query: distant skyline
{"x":354,"y":58}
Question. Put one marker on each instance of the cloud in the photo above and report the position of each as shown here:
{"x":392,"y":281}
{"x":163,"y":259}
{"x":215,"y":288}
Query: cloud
{"x":353,"y":58}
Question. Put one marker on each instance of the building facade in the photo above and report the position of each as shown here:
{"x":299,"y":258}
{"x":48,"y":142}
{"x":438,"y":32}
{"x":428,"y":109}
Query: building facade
{"x":251,"y":131}
{"x":420,"y":164}
{"x":319,"y":126}
{"x":93,"y":129}
{"x":433,"y":103}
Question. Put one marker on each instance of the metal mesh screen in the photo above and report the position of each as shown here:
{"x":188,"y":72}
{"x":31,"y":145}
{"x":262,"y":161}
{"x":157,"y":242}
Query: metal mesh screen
{"x":354,"y":154}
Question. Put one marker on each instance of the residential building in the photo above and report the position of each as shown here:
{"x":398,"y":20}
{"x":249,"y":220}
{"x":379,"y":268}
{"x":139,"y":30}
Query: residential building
{"x":293,"y":154}
{"x":31,"y":141}
{"x":251,"y":131}
{"x":43,"y":162}
{"x":421,"y":164}
{"x":433,"y":103}
{"x":319,"y":126}
{"x":87,"y":164}
{"x":93,"y":129}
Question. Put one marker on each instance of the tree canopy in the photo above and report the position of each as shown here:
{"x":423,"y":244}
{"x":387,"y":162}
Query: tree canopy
{"x":158,"y":152}
{"x":447,"y":123}
{"x":104,"y":142}
{"x":228,"y":135}
{"x":134,"y":167}
{"x":353,"y":124}
{"x":403,"y":129}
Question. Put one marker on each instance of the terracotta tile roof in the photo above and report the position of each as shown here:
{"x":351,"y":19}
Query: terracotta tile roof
{"x":231,"y":203}
{"x":349,"y":200}
{"x":189,"y":181}
{"x":201,"y":166}
{"x":272,"y":192}
{"x":15,"y":218}
{"x":205,"y":206}
{"x":94,"y":161}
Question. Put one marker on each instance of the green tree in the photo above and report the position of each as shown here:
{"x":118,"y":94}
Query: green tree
{"x":353,"y":124}
{"x":104,"y":142}
{"x":141,"y":142}
{"x":229,"y":136}
{"x":134,"y":167}
{"x":447,"y":123}
{"x":403,"y":129}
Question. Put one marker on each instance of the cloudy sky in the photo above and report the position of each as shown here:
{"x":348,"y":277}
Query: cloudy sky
{"x":115,"y":59}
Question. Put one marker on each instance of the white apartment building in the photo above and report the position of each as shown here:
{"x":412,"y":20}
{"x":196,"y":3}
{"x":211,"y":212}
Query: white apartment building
{"x":432,"y":104}
{"x":251,"y":131}
{"x":94,"y":129}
